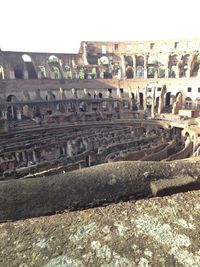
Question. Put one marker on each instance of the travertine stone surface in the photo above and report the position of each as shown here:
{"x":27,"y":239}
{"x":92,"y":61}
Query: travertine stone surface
{"x":152,"y":232}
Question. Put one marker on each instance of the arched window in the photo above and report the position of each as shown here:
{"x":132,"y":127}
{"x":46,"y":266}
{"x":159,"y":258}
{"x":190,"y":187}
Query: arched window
{"x":30,"y":67}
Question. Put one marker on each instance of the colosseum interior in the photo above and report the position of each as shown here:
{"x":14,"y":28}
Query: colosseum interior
{"x":99,"y":155}
{"x":112,"y":101}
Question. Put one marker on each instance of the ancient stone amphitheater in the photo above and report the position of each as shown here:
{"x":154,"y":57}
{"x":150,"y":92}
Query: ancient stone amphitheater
{"x":100,"y":150}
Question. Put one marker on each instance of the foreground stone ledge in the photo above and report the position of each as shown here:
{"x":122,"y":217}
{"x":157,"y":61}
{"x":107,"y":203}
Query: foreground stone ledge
{"x":89,"y":187}
{"x":161,"y":231}
{"x":165,"y":187}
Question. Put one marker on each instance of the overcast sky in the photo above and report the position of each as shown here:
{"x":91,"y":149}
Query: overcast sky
{"x":60,"y":25}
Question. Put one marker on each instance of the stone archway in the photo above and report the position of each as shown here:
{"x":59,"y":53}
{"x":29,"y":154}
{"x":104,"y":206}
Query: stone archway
{"x":11,"y":98}
{"x":30,"y":67}
{"x":173,"y":66}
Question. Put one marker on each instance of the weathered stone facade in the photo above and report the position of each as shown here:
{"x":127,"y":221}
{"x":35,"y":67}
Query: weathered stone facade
{"x":161,"y":75}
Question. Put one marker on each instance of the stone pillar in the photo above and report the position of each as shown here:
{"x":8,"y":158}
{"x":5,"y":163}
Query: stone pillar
{"x":188,"y":72}
{"x":84,"y":56}
{"x":161,"y":101}
{"x":89,"y":107}
{"x":109,"y":106}
{"x":17,"y":157}
{"x":69,"y":149}
{"x":5,"y":114}
{"x":145,"y":98}
{"x":34,"y":156}
{"x":12,"y":112}
{"x":198,"y":73}
{"x":153,"y":103}
{"x":19,"y":115}
{"x":24,"y":156}
{"x":145,"y":66}
{"x":62,"y":94}
{"x":166,"y":72}
{"x":123,"y":67}
{"x":134,"y":66}
{"x":74,"y":93}
{"x":137,"y":97}
{"x":118,"y":91}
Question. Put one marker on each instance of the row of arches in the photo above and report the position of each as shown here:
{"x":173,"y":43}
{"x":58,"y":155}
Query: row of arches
{"x":156,"y":65}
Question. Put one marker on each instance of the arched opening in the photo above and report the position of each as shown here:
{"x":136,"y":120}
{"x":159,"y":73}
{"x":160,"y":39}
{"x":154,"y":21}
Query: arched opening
{"x":42,"y":71}
{"x":132,"y":95}
{"x":129,"y":73}
{"x":161,"y":72}
{"x":117,"y":71}
{"x":167,"y":99}
{"x":56,"y":72}
{"x":173,"y":68}
{"x":19,"y":71}
{"x":152,"y":66}
{"x":36,"y":112}
{"x":29,"y":66}
{"x":183,"y":65}
{"x":100,"y":95}
{"x":151,"y":71}
{"x":68,"y":72}
{"x":149,"y":102}
{"x":141,"y":100}
{"x":128,"y":61}
{"x":139,"y":66}
{"x":188,"y":103}
{"x":11,"y":98}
